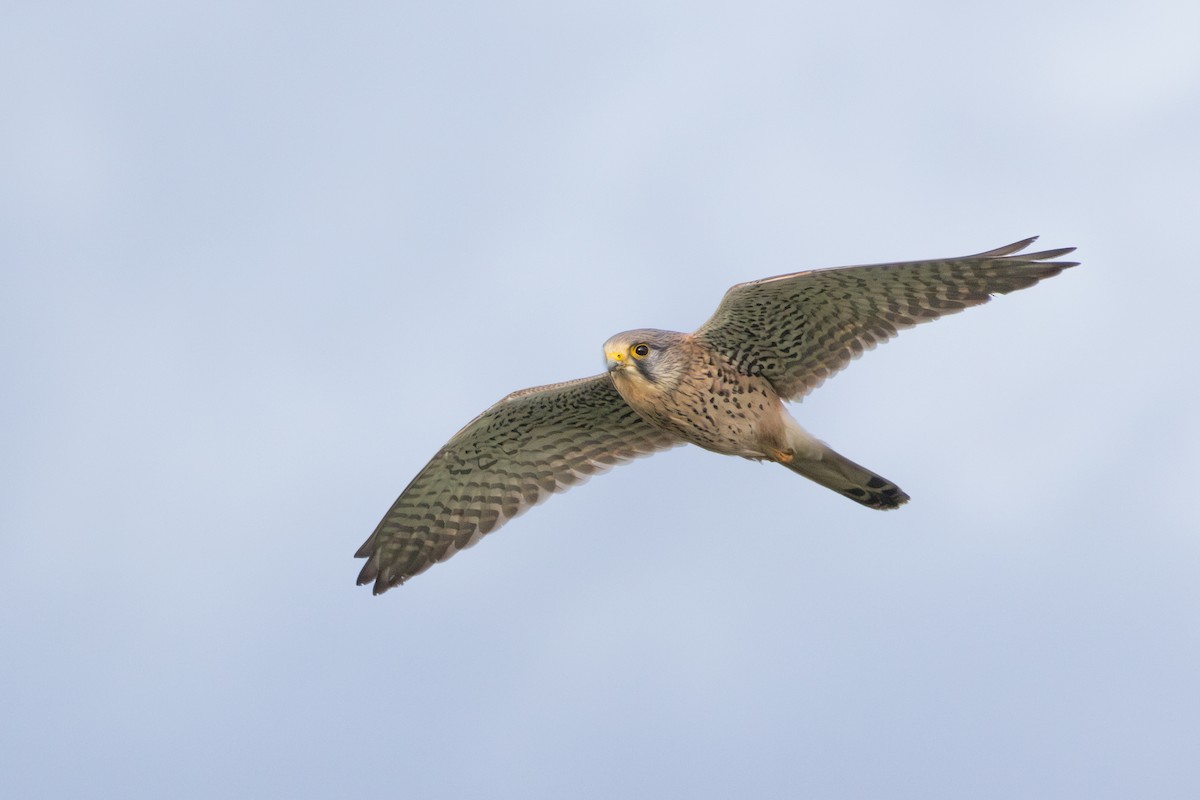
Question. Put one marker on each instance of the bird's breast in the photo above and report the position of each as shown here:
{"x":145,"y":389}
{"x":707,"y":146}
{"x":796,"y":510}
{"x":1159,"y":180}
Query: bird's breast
{"x":711,"y":405}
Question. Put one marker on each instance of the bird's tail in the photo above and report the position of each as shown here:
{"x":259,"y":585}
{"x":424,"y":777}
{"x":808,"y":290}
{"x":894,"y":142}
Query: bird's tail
{"x":839,"y":473}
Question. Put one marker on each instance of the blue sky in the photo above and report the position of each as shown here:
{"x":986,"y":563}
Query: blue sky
{"x":258,"y":261}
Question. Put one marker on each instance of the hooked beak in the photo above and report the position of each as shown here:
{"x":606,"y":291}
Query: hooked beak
{"x":615,"y":360}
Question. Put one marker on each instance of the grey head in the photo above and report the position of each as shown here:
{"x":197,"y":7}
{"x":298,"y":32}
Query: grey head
{"x":647,"y":356}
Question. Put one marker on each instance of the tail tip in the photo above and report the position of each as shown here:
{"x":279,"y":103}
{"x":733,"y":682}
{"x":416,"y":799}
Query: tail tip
{"x":878,"y":493}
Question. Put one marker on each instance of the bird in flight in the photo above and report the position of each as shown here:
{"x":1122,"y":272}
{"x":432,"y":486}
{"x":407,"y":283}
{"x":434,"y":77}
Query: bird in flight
{"x":722,"y":387}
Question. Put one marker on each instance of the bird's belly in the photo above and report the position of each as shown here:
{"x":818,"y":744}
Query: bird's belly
{"x":740,"y":417}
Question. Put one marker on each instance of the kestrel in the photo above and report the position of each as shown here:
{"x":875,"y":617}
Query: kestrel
{"x":722,"y":387}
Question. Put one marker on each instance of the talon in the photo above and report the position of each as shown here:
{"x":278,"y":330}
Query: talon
{"x":784,"y":456}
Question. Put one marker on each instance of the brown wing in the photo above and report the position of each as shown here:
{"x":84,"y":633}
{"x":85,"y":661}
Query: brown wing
{"x":797,"y":330}
{"x":517,"y":453}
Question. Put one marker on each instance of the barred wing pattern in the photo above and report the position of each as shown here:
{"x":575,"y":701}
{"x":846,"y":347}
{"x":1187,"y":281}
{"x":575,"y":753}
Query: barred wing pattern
{"x":797,"y":330}
{"x":531,"y":444}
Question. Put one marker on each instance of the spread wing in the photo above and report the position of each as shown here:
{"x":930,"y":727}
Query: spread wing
{"x":797,"y":330}
{"x":517,"y":453}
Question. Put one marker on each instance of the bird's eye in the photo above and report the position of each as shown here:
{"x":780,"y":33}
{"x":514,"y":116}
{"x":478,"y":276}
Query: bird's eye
{"x":640,"y":350}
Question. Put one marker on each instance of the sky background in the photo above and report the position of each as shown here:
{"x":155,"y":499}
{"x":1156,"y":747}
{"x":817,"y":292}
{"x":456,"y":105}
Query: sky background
{"x":259,"y":260}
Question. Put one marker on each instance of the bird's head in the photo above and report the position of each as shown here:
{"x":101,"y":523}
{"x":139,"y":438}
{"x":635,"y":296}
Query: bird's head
{"x":645,"y":356}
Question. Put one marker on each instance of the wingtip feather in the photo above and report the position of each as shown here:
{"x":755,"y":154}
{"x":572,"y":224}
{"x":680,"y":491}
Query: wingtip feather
{"x":1006,"y":250}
